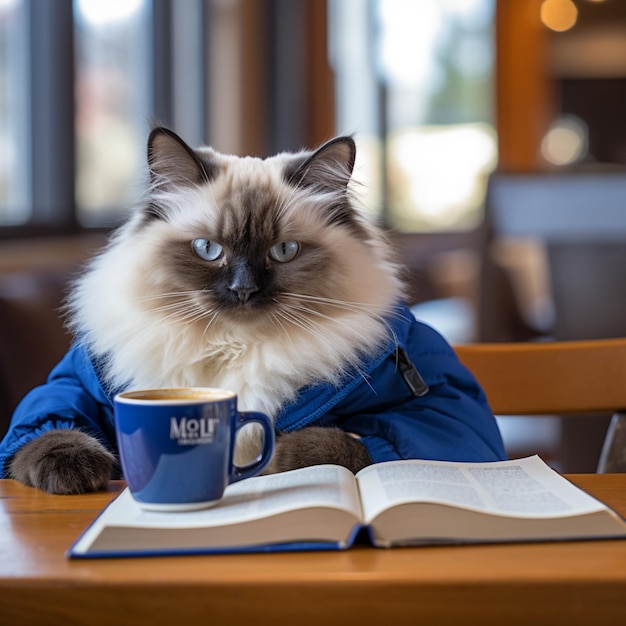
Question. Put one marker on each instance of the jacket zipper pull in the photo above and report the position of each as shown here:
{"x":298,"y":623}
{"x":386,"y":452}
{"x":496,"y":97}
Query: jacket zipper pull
{"x":410,"y":374}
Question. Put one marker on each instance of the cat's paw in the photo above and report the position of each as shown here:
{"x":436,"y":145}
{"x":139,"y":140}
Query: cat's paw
{"x":63,"y":461}
{"x":315,"y":446}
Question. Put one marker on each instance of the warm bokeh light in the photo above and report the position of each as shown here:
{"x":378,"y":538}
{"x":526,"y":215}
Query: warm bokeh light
{"x":559,"y":15}
{"x":566,"y":141}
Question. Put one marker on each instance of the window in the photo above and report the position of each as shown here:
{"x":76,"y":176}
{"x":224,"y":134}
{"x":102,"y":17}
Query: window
{"x":414,"y":83}
{"x":81,"y":83}
{"x":14,"y":113}
{"x":112,"y":94}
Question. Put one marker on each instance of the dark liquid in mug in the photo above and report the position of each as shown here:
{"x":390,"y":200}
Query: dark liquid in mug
{"x":184,"y":395}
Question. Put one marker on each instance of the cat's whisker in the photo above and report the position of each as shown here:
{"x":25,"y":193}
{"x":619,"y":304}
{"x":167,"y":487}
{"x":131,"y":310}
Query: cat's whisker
{"x":310,"y":326}
{"x":274,"y":318}
{"x":359,"y":307}
{"x":353,"y":307}
{"x":195,"y":313}
{"x":180,"y":305}
{"x":308,"y":323}
{"x":305,"y":323}
{"x":315,"y":313}
{"x":185,"y":312}
{"x":173,"y":308}
{"x":209,"y":324}
{"x":191,"y":315}
{"x":311,"y":312}
{"x":170,"y":294}
{"x":307,"y":328}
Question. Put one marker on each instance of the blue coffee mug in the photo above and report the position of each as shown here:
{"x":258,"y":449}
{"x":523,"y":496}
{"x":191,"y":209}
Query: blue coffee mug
{"x":177,"y":445}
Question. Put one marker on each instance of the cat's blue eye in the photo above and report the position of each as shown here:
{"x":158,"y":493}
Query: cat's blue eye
{"x":207,"y":250}
{"x":285,"y":251}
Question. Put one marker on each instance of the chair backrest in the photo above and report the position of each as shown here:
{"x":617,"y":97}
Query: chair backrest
{"x":558,"y":206}
{"x":580,"y":217}
{"x":32,"y":336}
{"x":557,"y":378}
{"x":34,"y":277}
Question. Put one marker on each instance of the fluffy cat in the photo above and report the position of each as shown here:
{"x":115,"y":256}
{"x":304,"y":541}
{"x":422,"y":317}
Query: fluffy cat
{"x":256,"y":275}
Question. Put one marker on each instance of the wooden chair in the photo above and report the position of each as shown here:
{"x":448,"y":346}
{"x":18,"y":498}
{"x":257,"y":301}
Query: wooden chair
{"x":562,"y":378}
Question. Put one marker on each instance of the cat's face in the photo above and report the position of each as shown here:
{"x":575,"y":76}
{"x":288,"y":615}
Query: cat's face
{"x":274,"y":241}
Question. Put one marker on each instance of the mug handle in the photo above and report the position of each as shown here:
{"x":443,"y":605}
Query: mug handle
{"x":256,"y":467}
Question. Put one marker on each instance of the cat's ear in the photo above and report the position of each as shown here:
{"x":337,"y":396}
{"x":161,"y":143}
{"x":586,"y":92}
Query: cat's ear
{"x":172,"y":163}
{"x":328,"y":168}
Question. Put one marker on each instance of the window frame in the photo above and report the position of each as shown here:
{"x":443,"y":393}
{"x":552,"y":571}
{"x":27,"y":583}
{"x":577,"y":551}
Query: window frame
{"x":261,"y":81}
{"x":52,"y":111}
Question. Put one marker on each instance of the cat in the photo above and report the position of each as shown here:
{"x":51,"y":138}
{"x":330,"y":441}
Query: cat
{"x":262,"y":276}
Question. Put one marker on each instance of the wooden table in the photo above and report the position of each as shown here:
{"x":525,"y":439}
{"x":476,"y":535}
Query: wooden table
{"x":556,"y":583}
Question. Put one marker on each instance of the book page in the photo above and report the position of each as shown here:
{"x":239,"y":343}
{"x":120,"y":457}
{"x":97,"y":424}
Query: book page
{"x":517,"y":488}
{"x":253,"y":498}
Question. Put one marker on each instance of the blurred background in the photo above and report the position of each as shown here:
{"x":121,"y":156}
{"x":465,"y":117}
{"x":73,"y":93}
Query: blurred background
{"x":491,"y":143}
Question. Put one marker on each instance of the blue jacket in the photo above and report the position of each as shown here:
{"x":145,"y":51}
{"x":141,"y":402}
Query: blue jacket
{"x":416,"y":401}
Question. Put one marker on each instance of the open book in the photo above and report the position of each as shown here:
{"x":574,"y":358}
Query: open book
{"x":399,"y":503}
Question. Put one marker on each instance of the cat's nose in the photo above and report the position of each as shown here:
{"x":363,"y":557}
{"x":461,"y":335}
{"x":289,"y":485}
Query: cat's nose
{"x":243,"y":283}
{"x":244,"y":294}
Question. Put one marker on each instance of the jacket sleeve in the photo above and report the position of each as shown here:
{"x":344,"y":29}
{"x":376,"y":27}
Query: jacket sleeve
{"x":71,"y":398}
{"x":451,"y":422}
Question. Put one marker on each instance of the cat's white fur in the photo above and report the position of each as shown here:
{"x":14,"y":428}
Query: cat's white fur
{"x":264,"y":360}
